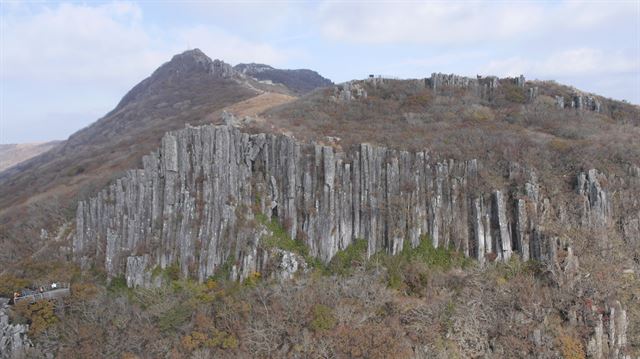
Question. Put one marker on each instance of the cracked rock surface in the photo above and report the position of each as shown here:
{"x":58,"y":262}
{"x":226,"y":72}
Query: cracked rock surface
{"x":195,"y":199}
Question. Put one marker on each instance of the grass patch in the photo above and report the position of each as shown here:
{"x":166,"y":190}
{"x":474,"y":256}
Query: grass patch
{"x":515,"y":267}
{"x":118,"y":285}
{"x":344,"y":261}
{"x":224,"y":272}
{"x":169,"y":274}
{"x":279,"y":237}
{"x":175,"y":317}
{"x":441,"y":258}
{"x":281,"y":240}
{"x":322,"y":318}
{"x":410,"y":269}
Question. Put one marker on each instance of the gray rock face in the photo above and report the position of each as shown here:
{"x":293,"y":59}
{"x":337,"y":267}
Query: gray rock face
{"x":196,"y":60}
{"x":137,"y":273}
{"x":482,"y":86}
{"x":275,"y":263}
{"x":349,"y":91}
{"x":438,"y":79}
{"x":581,"y":101}
{"x":628,"y":212}
{"x":221,"y":69}
{"x":13,"y":337}
{"x":596,"y":208}
{"x":194,"y":202}
{"x":610,"y":333}
{"x":532,"y":93}
{"x":501,"y":234}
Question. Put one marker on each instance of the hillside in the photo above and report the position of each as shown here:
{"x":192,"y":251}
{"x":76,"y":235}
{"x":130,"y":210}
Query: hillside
{"x":216,"y":214}
{"x":459,"y":120}
{"x":12,"y":154}
{"x":300,"y":81}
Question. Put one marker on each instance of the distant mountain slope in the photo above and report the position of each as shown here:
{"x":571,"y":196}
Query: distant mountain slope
{"x":12,"y":154}
{"x":300,"y":81}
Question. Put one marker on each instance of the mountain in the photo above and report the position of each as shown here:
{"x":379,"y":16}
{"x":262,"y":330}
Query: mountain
{"x":191,"y":88}
{"x":12,"y":154}
{"x":213,"y":213}
{"x":299,"y":81}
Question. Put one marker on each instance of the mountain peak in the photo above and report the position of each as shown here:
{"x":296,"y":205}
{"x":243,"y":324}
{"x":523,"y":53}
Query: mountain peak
{"x":196,"y":61}
{"x":184,"y":68}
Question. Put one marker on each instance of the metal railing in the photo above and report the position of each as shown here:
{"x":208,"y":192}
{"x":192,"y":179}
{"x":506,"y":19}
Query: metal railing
{"x":61,"y":290}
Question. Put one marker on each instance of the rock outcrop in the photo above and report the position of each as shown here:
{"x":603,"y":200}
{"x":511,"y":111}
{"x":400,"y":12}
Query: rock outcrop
{"x":348,"y":91}
{"x":610,"y":332}
{"x":596,"y":207}
{"x":533,"y":93}
{"x":195,"y":200}
{"x":482,"y":86}
{"x":13,"y":337}
{"x":452,"y":80}
{"x":579,"y":101}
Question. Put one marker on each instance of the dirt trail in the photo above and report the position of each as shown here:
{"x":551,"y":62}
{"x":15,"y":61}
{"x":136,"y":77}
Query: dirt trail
{"x":256,"y":105}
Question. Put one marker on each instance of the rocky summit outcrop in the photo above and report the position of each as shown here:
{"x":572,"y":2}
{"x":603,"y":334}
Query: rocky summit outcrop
{"x":13,"y":337}
{"x":196,"y":199}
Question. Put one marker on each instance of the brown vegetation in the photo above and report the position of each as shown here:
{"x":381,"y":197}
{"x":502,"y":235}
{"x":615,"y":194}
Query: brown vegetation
{"x":423,"y":302}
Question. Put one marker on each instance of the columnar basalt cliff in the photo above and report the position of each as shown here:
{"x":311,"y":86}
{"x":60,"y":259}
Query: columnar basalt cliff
{"x":482,"y":86}
{"x":194,"y":200}
{"x":452,"y":80}
{"x":609,"y":337}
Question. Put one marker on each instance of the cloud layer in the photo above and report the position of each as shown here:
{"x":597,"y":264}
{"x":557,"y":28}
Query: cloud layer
{"x":79,"y":58}
{"x":107,"y":42}
{"x":458,"y":22}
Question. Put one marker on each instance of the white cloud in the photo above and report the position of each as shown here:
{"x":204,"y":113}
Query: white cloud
{"x":79,"y":57}
{"x":570,"y":62}
{"x":221,"y":45}
{"x":107,"y":43}
{"x":463,"y":22}
{"x":430,"y":22}
{"x":77,"y":43}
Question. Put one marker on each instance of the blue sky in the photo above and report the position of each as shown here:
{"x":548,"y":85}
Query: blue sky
{"x":65,"y":64}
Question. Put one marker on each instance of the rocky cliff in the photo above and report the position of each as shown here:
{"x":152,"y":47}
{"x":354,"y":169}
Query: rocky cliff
{"x":13,"y":337}
{"x":195,"y":200}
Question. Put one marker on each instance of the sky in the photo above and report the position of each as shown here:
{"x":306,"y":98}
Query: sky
{"x":63,"y":65}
